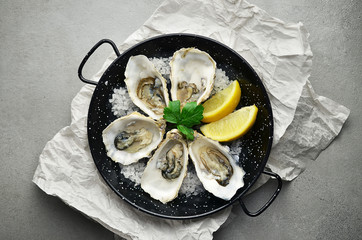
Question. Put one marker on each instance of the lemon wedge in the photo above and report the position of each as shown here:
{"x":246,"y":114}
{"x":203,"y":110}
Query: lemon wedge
{"x":232,"y":126}
{"x":222,"y":103}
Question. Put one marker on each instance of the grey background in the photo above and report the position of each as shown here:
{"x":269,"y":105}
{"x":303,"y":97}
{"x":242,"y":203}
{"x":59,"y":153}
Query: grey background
{"x":42,"y":44}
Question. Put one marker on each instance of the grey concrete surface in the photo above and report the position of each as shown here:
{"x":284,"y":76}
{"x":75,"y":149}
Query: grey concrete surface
{"x":42,"y":44}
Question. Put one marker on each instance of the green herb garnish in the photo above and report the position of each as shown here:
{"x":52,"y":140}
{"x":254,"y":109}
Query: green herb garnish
{"x":190,"y":115}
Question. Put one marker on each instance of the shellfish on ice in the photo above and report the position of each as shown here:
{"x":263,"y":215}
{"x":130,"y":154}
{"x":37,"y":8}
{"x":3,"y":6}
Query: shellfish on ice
{"x":132,"y":137}
{"x":167,"y":168}
{"x":192,"y":75}
{"x":146,"y":86}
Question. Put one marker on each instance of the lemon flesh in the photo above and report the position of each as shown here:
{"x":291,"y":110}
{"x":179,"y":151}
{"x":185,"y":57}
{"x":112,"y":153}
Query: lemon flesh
{"x":232,"y":126}
{"x":222,"y":103}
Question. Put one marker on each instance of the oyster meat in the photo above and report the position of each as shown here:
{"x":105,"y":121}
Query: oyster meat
{"x":146,"y":86}
{"x":216,"y":169}
{"x":132,"y":137}
{"x":192,"y":75}
{"x":167,"y":168}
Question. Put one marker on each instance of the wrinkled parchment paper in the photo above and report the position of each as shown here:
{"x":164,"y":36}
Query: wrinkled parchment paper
{"x":305,"y":123}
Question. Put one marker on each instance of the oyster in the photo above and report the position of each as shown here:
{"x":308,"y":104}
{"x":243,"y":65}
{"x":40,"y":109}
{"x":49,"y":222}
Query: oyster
{"x":132,"y":137}
{"x":192,"y":75}
{"x":216,"y":169}
{"x":146,"y":86}
{"x":166,"y":170}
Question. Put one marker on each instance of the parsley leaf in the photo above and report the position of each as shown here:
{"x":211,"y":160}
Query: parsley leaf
{"x":172,"y":112}
{"x":190,"y":115}
{"x":188,"y":132}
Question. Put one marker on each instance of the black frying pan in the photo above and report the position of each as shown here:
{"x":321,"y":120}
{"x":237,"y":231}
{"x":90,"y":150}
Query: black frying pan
{"x":256,"y":144}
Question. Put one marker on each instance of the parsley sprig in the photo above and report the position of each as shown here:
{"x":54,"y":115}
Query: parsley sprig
{"x":190,"y":115}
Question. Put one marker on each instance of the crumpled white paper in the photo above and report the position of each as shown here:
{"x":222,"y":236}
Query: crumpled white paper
{"x":305,"y":123}
{"x":317,"y":121}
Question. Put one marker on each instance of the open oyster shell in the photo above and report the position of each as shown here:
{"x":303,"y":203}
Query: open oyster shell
{"x":166,"y":170}
{"x":216,"y":169}
{"x":192,"y":75}
{"x":132,"y":137}
{"x":146,"y":86}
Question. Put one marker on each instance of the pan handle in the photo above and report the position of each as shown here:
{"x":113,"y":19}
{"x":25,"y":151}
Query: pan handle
{"x":80,"y":69}
{"x":267,"y":204}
